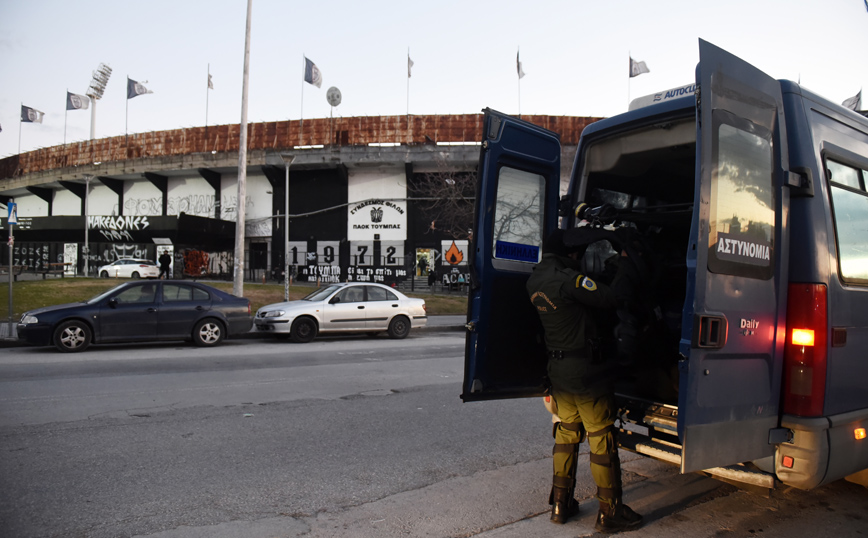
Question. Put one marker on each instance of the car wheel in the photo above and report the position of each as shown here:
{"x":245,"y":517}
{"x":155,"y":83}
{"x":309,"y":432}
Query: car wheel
{"x":103,"y":274}
{"x":72,"y":336}
{"x":135,"y":274}
{"x":399,"y":327}
{"x":303,"y":330}
{"x":208,"y":332}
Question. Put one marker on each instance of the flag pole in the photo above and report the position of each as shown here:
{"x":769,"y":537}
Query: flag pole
{"x":127,"y":113}
{"x":408,"y":95}
{"x":19,"y":130}
{"x":629,"y":76}
{"x":65,"y":112}
{"x":517,"y":54}
{"x":207,"y":91}
{"x":301,"y":113}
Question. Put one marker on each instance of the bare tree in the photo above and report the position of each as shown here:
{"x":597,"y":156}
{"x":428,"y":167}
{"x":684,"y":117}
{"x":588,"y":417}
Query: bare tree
{"x":446,"y":197}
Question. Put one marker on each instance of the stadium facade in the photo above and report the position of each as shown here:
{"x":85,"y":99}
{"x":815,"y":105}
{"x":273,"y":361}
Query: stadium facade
{"x":354,"y":207}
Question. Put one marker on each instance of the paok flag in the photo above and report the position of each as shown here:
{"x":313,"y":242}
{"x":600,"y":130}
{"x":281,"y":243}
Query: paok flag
{"x":409,"y":67}
{"x":31,"y":115}
{"x":637,"y":68}
{"x":854,"y":102}
{"x":312,"y":74}
{"x":75,"y":101}
{"x":210,"y":82}
{"x":135,"y":89}
{"x":518,"y":67}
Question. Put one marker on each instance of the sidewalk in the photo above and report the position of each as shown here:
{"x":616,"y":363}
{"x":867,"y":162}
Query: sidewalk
{"x":435,"y":324}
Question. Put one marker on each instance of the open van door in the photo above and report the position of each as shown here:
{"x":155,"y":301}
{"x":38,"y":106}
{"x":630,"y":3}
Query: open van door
{"x":516,"y":206}
{"x":733,"y":328}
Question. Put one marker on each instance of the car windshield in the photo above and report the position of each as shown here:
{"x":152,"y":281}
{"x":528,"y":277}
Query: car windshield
{"x":321,"y":294}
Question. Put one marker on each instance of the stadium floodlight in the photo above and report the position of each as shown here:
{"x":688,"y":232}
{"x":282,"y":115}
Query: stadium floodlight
{"x":95,"y":90}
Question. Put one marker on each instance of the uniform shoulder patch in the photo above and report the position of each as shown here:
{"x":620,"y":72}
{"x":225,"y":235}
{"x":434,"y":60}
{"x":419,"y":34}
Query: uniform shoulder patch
{"x":585,"y":282}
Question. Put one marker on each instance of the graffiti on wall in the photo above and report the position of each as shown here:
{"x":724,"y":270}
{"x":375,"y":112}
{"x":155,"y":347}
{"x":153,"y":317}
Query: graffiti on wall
{"x":33,"y":257}
{"x":378,"y":274}
{"x":323,"y":273}
{"x":197,"y":263}
{"x":116,"y":228}
{"x":144,"y":206}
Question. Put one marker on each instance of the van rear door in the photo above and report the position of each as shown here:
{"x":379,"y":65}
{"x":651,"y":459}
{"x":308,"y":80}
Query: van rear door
{"x":734,"y":326}
{"x":516,"y":206}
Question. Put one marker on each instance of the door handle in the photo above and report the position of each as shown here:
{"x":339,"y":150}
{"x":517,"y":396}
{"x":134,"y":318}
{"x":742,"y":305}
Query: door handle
{"x":200,"y":307}
{"x":151,"y":310}
{"x":712,"y":331}
{"x":361,"y":307}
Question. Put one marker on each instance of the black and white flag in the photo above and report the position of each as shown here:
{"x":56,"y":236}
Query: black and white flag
{"x":135,"y":89}
{"x":312,"y":74}
{"x":518,"y":67}
{"x":75,"y":101}
{"x":637,"y":68}
{"x":855,"y":102}
{"x":31,"y":115}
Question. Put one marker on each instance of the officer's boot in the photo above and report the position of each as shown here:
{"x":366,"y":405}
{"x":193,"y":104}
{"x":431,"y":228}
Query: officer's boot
{"x":616,"y":517}
{"x":565,"y":456}
{"x":564,"y":504}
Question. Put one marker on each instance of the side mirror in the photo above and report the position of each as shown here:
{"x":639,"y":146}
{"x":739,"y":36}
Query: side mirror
{"x":113,"y":302}
{"x":335,"y":300}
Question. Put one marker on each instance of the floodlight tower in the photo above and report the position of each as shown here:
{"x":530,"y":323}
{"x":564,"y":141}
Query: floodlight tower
{"x":95,"y":91}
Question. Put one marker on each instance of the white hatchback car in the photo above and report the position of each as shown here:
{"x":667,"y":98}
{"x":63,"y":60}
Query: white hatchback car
{"x":355,"y":307}
{"x":129,"y":268}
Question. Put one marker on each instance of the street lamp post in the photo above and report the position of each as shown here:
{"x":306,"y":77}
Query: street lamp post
{"x":87,"y":178}
{"x":287,"y":160}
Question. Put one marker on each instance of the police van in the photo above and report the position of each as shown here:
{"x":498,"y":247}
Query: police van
{"x":746,"y":203}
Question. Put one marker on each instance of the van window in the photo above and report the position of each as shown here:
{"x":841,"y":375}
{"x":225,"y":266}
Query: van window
{"x":850,"y":213}
{"x":518,"y":215}
{"x":742,"y":199}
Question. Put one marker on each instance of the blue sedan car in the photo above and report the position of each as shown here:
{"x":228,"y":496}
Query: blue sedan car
{"x":140,"y":311}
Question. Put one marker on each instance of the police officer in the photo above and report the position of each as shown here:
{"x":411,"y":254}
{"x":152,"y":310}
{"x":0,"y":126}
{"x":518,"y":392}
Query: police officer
{"x":569,"y":304}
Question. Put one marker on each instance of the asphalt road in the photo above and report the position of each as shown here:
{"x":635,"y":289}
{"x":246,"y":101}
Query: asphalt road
{"x":340,"y":437}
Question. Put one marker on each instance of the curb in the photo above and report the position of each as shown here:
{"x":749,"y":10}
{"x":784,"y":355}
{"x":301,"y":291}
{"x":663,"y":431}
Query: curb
{"x":6,"y":341}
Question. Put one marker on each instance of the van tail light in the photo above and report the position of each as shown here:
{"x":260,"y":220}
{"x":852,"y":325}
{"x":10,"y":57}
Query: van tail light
{"x":806,"y":350}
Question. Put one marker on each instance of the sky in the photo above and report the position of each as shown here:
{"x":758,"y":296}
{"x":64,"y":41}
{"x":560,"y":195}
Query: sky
{"x":575,"y":55}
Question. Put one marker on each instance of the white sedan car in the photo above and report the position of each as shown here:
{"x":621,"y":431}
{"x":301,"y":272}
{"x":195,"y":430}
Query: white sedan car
{"x":355,"y":307}
{"x":129,"y":268}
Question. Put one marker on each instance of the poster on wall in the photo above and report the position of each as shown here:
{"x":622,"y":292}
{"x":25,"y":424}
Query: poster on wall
{"x":297,"y":253}
{"x":361,"y":253}
{"x":70,"y":258}
{"x":378,"y":205}
{"x":392,"y":253}
{"x":454,"y":252}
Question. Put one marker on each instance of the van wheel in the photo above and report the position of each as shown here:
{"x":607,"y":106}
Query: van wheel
{"x":303,"y":330}
{"x":72,"y":336}
{"x":208,"y":332}
{"x":399,"y":327}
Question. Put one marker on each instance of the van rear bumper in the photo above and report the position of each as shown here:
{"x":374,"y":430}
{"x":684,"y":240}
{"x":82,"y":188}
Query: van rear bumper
{"x":824,"y":449}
